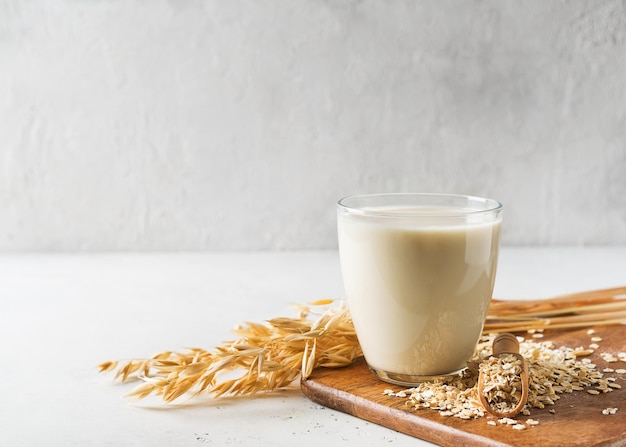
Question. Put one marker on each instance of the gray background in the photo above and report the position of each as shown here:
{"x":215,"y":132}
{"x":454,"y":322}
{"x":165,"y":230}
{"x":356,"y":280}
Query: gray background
{"x":236,"y":125}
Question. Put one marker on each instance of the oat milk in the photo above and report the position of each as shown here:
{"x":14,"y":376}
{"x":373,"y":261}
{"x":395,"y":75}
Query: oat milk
{"x":418,"y":292}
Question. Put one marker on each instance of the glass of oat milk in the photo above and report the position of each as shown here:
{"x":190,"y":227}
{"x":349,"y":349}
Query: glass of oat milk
{"x":418,"y":272}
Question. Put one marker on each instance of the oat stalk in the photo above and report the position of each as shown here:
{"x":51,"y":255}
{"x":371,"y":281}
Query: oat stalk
{"x":585,"y":309}
{"x":264,"y":357}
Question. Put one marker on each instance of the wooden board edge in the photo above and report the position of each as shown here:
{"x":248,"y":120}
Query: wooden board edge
{"x":399,"y":420}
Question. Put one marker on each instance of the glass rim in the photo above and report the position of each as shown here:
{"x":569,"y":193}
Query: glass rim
{"x":490,"y":205}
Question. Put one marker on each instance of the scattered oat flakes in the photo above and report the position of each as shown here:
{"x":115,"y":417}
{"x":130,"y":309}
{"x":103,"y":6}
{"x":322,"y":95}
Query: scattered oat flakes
{"x":552,"y":372}
{"x":519,"y":427}
{"x":620,"y":371}
{"x":609,"y":411}
{"x":491,"y":423}
{"x":608,"y":357}
{"x":596,"y":339}
{"x":591,"y":331}
{"x":507,"y":421}
{"x":532,"y":422}
{"x":594,"y":346}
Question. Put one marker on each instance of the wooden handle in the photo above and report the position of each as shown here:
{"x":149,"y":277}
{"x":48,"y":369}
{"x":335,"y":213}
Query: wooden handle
{"x":505,"y":342}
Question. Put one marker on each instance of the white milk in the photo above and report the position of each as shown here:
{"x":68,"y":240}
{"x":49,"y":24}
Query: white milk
{"x":418,"y":293}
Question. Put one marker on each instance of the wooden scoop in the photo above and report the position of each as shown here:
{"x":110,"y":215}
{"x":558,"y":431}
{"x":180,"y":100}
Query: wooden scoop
{"x":506,"y":343}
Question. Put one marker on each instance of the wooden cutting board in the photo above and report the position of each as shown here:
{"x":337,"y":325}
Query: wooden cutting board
{"x":577,"y":418}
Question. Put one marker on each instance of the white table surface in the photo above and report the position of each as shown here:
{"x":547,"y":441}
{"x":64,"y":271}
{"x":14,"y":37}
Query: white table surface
{"x":62,"y":314}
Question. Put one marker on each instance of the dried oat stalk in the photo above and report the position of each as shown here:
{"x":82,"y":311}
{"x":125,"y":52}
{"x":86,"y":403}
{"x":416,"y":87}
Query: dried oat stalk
{"x":264,"y":357}
{"x":577,"y":310}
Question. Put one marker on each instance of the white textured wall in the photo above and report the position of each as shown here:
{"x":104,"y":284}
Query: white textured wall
{"x":238,"y":124}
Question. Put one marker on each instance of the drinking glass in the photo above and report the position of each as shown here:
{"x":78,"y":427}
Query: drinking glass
{"x":418,"y":273}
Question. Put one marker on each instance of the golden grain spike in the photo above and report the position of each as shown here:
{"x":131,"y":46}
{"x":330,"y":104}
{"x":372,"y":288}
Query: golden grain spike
{"x":322,"y":302}
{"x":107,"y":366}
{"x":269,"y":355}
